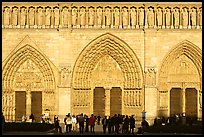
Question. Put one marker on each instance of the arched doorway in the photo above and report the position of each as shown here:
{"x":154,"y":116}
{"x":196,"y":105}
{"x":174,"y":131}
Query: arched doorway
{"x":28,"y":83}
{"x":181,"y":70}
{"x":106,"y":46}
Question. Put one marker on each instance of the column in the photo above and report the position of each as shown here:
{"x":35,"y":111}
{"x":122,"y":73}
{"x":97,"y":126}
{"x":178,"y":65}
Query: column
{"x":145,"y":18}
{"x":172,"y":18}
{"x":28,"y":103}
{"x":107,"y":101}
{"x":183,"y":98}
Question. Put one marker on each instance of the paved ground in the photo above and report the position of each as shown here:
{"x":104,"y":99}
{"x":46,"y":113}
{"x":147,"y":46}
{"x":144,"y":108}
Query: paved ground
{"x":98,"y":131}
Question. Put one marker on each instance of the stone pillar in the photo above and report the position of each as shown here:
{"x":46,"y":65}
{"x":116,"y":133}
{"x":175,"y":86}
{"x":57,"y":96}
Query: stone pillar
{"x":183,"y":99}
{"x":28,"y":103}
{"x":107,"y":101}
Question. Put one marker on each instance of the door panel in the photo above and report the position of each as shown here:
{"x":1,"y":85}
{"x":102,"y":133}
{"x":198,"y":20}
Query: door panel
{"x":20,"y":101}
{"x":36,"y":104}
{"x":99,"y":101}
{"x":175,"y":101}
{"x":115,"y":101}
{"x":191,"y":102}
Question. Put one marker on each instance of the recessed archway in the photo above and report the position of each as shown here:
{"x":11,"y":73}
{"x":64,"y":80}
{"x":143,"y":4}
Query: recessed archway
{"x":106,"y":44}
{"x":26,"y":69}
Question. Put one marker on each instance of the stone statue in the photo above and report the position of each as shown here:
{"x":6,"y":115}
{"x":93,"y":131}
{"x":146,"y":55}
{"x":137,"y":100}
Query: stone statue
{"x":133,"y":16}
{"x":116,"y":16}
{"x":176,"y":17}
{"x":200,"y":17}
{"x":150,"y":17}
{"x":82,"y":16}
{"x":125,"y":16}
{"x":6,"y":16}
{"x":99,"y":16}
{"x":167,"y":17}
{"x":91,"y":16}
{"x":185,"y":17}
{"x":159,"y":17}
{"x":15,"y":16}
{"x":40,"y":16}
{"x":48,"y":16}
{"x":74,"y":16}
{"x":31,"y":16}
{"x":108,"y":16}
{"x":193,"y":17}
{"x":65,"y":16}
{"x":141,"y":16}
{"x":23,"y":16}
{"x":56,"y":16}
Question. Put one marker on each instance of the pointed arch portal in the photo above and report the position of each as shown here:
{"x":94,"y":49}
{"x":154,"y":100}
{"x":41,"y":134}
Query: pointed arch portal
{"x":180,"y":76}
{"x":106,"y":45}
{"x":27,"y":82}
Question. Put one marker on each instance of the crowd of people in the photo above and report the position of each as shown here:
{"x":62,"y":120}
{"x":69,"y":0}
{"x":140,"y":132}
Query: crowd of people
{"x":116,"y":124}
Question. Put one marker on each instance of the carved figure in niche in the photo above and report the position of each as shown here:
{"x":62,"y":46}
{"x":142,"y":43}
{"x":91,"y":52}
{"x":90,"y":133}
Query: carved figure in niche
{"x":159,"y":17}
{"x":133,"y":16}
{"x":176,"y":17}
{"x":150,"y":17}
{"x":15,"y":16}
{"x":56,"y":16}
{"x":167,"y":17}
{"x":108,"y":16}
{"x":200,"y":17}
{"x":48,"y":16}
{"x":193,"y":17}
{"x":184,"y":17}
{"x":150,"y":77}
{"x":65,"y":16}
{"x":74,"y":16}
{"x":82,"y":16}
{"x":91,"y":16}
{"x":40,"y":16}
{"x":23,"y":16}
{"x":65,"y":76}
{"x":99,"y":16}
{"x":116,"y":16}
{"x":141,"y":16}
{"x":125,"y":16}
{"x":6,"y":16}
{"x":31,"y":16}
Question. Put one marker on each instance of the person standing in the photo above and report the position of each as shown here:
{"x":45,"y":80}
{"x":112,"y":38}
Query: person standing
{"x":104,"y":123}
{"x":81,"y":123}
{"x":98,"y":119}
{"x":58,"y":129}
{"x":69,"y":122}
{"x":132,"y":124}
{"x":92,"y":123}
{"x":74,"y":123}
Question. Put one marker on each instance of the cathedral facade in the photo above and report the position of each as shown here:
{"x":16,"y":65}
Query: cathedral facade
{"x":101,"y":59}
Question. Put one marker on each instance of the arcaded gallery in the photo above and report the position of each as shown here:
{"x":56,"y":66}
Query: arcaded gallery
{"x":101,"y":58}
